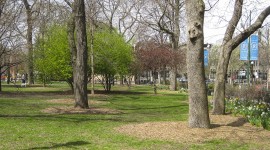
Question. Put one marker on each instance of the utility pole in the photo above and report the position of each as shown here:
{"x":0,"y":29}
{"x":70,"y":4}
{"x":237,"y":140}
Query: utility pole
{"x":248,"y":63}
{"x":268,"y":70}
{"x":92,"y":60}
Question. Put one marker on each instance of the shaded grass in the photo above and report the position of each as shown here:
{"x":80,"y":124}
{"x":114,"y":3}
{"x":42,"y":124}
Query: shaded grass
{"x":24,"y":126}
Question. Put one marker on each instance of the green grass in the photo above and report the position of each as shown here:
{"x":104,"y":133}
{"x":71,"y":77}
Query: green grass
{"x":24,"y":126}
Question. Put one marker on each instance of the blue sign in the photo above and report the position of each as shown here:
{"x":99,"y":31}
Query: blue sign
{"x":254,"y":48}
{"x":206,"y":57}
{"x":244,"y":50}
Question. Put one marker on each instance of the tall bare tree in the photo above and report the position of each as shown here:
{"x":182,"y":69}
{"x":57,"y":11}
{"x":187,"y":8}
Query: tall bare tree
{"x":9,"y":39}
{"x":78,"y":47}
{"x":165,"y":16}
{"x":198,"y":103}
{"x":29,"y":14}
{"x":230,"y":42}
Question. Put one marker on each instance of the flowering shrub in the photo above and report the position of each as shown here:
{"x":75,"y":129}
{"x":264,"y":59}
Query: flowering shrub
{"x":254,"y":92}
{"x":257,"y":112}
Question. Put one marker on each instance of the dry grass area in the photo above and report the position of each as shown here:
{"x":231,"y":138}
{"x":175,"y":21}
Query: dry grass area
{"x":223,"y":127}
{"x":72,"y":110}
{"x":71,"y":101}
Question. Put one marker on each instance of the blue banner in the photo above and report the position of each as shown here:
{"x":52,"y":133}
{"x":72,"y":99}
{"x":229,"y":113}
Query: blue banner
{"x":254,"y":48}
{"x":206,"y":57}
{"x":244,"y":50}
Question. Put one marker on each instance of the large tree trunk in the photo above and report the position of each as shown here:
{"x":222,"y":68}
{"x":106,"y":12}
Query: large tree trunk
{"x":29,"y":41}
{"x":229,"y":44}
{"x":80,"y":66}
{"x":198,"y":103}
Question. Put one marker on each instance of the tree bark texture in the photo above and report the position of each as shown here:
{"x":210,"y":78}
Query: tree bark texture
{"x":198,"y":103}
{"x":2,"y":4}
{"x":29,"y":41}
{"x":80,"y":64}
{"x":229,"y":44}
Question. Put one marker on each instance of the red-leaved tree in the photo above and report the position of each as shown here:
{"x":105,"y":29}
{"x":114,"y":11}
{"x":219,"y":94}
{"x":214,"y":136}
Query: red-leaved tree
{"x":153,"y":56}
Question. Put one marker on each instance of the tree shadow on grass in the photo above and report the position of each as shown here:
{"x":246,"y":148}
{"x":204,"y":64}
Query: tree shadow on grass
{"x":151,"y":108}
{"x":64,"y":145}
{"x":238,"y":123}
{"x":68,"y":118}
{"x":65,"y":92}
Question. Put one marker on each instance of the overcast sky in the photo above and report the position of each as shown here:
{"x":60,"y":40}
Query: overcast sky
{"x":216,"y":19}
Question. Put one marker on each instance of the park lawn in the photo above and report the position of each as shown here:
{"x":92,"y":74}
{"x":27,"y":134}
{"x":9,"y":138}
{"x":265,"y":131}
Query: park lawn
{"x":23,"y":125}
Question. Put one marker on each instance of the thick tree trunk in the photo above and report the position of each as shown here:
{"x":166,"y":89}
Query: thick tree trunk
{"x":198,"y":103}
{"x":80,"y":74}
{"x":29,"y":42}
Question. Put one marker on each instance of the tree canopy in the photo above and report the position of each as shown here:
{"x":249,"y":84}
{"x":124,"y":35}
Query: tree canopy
{"x":112,"y":55}
{"x":52,"y":56}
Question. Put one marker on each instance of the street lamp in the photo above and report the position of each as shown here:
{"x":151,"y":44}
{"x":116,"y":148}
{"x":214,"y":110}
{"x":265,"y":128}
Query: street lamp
{"x":251,"y":71}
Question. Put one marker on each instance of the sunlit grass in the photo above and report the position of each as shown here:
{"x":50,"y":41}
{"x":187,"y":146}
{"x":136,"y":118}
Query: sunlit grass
{"x":24,"y":126}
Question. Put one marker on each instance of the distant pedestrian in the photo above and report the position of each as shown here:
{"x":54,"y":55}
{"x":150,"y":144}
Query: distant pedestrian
{"x":23,"y":78}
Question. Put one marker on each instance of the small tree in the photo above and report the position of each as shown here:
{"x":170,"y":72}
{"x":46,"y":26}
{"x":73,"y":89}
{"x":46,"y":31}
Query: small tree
{"x":52,"y":57}
{"x":112,"y":56}
{"x":153,"y":57}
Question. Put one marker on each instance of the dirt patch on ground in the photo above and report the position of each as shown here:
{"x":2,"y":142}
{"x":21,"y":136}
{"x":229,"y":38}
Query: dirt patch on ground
{"x":223,"y":127}
{"x":72,"y":110}
{"x":71,"y":101}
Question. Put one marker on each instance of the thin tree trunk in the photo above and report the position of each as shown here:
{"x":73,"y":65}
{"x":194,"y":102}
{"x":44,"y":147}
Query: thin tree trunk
{"x":198,"y":103}
{"x":173,"y":79}
{"x":72,"y":44}
{"x":0,"y":79}
{"x":175,"y":43}
{"x":219,"y":94}
{"x":8,"y":75}
{"x":164,"y":75}
{"x":92,"y":60}
{"x":29,"y":42}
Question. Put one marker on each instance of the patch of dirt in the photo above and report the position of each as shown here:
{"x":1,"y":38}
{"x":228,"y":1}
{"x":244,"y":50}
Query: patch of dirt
{"x":71,"y":101}
{"x":223,"y":127}
{"x":72,"y":110}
